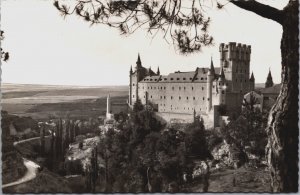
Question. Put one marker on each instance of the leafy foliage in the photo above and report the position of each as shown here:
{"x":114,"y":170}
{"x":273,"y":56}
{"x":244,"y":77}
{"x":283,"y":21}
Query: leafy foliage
{"x":4,"y":55}
{"x":248,"y":128}
{"x":184,"y":22}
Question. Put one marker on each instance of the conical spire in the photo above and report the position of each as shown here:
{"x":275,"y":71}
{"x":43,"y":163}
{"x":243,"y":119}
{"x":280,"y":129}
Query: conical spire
{"x":269,"y":75}
{"x":252,"y":77}
{"x":269,"y":82}
{"x":222,"y":75}
{"x":131,"y":70}
{"x":138,"y":62}
{"x":212,"y":68}
{"x":158,"y":72}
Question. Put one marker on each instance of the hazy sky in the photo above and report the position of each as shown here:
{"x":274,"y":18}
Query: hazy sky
{"x":45,"y":48}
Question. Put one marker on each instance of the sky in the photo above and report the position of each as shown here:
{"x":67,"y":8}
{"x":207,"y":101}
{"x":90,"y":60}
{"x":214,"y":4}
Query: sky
{"x":46,"y":48}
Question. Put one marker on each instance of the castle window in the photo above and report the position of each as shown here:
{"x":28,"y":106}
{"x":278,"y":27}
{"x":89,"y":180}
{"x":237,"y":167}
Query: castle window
{"x":160,"y":97}
{"x":155,"y":79}
{"x":183,"y":78}
{"x":143,"y":87}
{"x":177,"y":79}
{"x":187,"y":98}
{"x":207,"y":99}
{"x":171,"y":79}
{"x":151,"y":87}
{"x":203,"y":98}
{"x":194,"y":98}
{"x":190,"y":78}
{"x":154,"y":87}
{"x":132,"y":84}
{"x":179,"y":88}
{"x":223,"y":92}
{"x":133,"y":96}
{"x":179,"y":98}
{"x":172,"y":88}
{"x":192,"y":88}
{"x":151,"y":79}
{"x":151,"y":96}
{"x":165,"y":79}
{"x":201,"y":78}
{"x":171,"y":98}
{"x":213,"y":86}
{"x":164,"y":87}
{"x":164,"y":97}
{"x":188,"y":108}
{"x":184,"y":108}
{"x":202,"y":88}
{"x":148,"y":87}
{"x":184,"y":88}
{"x":196,"y":79}
{"x":245,"y":80}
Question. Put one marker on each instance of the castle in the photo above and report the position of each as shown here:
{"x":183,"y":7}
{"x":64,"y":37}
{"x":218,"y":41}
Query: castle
{"x":205,"y":91}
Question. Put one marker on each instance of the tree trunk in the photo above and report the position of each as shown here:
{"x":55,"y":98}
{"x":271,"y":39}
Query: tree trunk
{"x":283,"y":131}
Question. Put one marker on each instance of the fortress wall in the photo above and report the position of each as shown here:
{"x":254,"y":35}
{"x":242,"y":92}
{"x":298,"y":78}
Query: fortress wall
{"x":168,"y":117}
{"x":175,"y":97}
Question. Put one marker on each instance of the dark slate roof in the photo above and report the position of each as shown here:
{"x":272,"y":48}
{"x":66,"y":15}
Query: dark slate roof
{"x":199,"y":75}
{"x":274,"y":89}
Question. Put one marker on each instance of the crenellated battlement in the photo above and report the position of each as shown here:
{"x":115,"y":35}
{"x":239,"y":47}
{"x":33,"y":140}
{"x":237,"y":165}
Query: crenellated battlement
{"x":235,"y":51}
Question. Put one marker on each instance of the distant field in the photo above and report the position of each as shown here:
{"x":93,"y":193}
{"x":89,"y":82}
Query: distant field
{"x":46,"y":101}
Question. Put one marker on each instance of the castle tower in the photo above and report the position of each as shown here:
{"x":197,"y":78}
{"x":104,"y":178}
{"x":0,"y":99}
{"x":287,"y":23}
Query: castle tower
{"x":269,"y":82}
{"x":108,"y":108}
{"x":135,"y":78}
{"x":235,"y":59}
{"x":252,"y":82}
{"x":210,"y":78}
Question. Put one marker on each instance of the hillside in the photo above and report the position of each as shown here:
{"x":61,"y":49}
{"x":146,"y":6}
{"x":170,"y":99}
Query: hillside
{"x":42,"y":102}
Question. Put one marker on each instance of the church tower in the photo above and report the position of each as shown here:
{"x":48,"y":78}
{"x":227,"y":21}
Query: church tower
{"x":269,"y":82}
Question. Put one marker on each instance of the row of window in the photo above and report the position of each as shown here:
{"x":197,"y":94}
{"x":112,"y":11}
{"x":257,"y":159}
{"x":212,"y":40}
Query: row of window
{"x":172,"y":79}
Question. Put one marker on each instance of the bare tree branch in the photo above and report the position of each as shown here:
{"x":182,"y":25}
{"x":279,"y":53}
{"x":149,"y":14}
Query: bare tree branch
{"x":260,"y":9}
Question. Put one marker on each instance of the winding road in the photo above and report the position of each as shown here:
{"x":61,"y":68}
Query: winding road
{"x":32,"y":168}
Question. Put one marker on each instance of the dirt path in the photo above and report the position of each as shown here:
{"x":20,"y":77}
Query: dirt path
{"x":32,"y":169}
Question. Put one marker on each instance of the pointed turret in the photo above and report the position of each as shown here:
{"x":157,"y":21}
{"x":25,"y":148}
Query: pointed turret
{"x":222,"y":75}
{"x":130,"y":70}
{"x":269,"y":82}
{"x":158,"y":72}
{"x":212,"y":68}
{"x":252,"y":77}
{"x":252,"y":82}
{"x":139,"y":62}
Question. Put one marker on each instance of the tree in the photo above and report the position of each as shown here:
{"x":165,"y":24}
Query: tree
{"x":181,"y":21}
{"x":4,"y":54}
